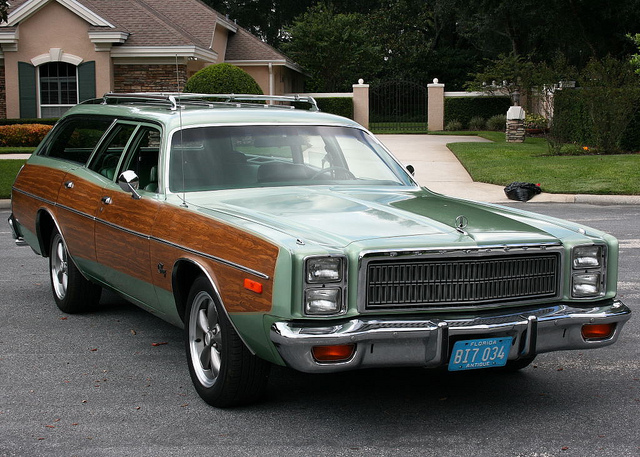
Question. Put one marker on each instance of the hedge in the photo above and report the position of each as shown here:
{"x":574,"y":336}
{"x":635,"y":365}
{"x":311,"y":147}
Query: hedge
{"x":18,"y":135}
{"x":463,"y":109}
{"x":50,"y":121}
{"x":342,"y":106}
{"x":573,"y":124}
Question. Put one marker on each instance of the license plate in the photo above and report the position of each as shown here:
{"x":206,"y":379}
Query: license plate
{"x":481,"y":353}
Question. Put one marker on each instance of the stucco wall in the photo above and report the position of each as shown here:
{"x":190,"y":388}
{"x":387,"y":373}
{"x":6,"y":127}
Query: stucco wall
{"x":3,"y":92}
{"x":54,"y":26}
{"x":220,"y":38}
{"x":285,"y":80}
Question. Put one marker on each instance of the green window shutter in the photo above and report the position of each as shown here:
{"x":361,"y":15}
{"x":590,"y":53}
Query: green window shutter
{"x":86,"y":81}
{"x":27,"y":90}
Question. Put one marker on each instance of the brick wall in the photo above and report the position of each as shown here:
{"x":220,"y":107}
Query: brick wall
{"x":148,"y":78}
{"x":3,"y":94}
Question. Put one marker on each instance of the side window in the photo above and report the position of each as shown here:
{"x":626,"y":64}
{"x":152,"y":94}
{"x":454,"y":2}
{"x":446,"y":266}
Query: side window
{"x":76,"y":138}
{"x":143,"y":157}
{"x":105,"y":160}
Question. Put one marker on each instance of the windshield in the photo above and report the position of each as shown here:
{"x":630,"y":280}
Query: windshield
{"x":210,"y":158}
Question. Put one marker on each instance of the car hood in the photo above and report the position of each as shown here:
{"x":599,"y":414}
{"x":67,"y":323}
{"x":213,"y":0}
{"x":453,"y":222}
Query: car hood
{"x":341,"y":216}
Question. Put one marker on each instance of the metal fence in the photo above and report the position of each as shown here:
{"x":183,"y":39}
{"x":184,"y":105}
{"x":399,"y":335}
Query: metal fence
{"x":398,"y":106}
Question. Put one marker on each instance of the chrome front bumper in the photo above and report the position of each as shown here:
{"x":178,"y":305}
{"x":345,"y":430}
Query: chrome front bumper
{"x":426,"y":342}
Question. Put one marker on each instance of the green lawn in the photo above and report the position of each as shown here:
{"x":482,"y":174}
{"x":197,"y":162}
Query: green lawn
{"x":8,"y":171}
{"x":16,"y":150}
{"x":502,"y":163}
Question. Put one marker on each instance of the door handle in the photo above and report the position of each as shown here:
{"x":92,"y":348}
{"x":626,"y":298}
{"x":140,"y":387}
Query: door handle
{"x":68,"y":184}
{"x":107,"y":200}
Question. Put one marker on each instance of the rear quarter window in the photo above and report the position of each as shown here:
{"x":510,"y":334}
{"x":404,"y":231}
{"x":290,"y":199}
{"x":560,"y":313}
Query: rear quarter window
{"x":75,"y":138}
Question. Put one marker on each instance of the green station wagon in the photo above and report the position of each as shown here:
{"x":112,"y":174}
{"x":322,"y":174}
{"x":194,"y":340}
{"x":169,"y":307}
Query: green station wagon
{"x":280,"y":235}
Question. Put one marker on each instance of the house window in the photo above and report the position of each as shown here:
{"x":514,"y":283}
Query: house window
{"x":58,"y":88}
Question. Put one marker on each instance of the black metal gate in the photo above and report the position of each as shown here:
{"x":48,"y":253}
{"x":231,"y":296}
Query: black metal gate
{"x":398,"y":107}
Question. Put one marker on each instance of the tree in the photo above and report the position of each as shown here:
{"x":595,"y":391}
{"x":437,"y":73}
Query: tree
{"x":264,"y":18}
{"x":4,"y":6}
{"x":611,"y":98}
{"x":420,"y":42}
{"x":515,"y":76}
{"x":578,"y":29}
{"x":268,"y":19}
{"x":335,"y":48}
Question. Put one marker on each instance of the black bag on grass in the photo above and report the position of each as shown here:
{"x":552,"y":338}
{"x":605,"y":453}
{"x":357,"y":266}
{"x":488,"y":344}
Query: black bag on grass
{"x":522,"y":191}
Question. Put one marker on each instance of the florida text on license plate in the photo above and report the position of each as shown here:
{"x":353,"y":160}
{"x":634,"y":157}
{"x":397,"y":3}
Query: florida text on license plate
{"x":481,"y":353}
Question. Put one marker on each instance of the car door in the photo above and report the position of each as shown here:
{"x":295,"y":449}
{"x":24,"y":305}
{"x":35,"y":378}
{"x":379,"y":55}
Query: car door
{"x":124,"y":223}
{"x":73,"y":143}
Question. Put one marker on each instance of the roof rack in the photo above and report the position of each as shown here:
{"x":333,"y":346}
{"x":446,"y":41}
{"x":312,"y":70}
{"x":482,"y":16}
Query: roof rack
{"x":177,"y":99}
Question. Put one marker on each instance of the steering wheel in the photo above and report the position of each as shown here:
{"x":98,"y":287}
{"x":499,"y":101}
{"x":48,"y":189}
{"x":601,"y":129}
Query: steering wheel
{"x":347,"y":173}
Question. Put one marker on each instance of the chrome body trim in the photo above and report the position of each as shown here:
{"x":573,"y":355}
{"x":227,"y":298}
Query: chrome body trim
{"x":149,"y":237}
{"x":342,"y":284}
{"x":603,"y":269}
{"x":425,"y":341}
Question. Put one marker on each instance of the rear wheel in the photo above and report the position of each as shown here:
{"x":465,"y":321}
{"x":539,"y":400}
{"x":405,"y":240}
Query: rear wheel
{"x":222,"y":369}
{"x":72,"y":292}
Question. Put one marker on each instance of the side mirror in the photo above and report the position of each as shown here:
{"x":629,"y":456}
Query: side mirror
{"x":129,"y":182}
{"x":411,"y":170}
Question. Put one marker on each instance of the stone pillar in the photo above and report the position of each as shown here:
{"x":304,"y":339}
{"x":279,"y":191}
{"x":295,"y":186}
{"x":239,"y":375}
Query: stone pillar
{"x":435,"y":116}
{"x":361,"y":103}
{"x":515,"y":125}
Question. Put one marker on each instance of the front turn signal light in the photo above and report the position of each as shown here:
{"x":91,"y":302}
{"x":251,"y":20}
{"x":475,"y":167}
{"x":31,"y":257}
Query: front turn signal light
{"x":598,"y":331}
{"x":337,"y":353}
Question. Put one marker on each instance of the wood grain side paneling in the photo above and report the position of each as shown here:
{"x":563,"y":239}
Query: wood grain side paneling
{"x":76,"y":209}
{"x":43,"y":182}
{"x":38,"y":188}
{"x":123,"y":229}
{"x":184,"y":227}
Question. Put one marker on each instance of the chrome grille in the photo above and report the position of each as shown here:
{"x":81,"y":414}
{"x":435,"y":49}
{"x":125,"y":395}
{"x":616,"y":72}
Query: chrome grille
{"x":415,"y":283}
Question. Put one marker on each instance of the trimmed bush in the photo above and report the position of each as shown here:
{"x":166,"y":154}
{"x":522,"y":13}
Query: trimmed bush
{"x":453,"y":126}
{"x":222,"y":78}
{"x":477,"y":123}
{"x":497,"y":123}
{"x":464,"y":108}
{"x":23,"y":134}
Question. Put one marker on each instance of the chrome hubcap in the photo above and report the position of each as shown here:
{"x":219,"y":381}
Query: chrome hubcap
{"x":60,"y":270}
{"x":205,"y":339}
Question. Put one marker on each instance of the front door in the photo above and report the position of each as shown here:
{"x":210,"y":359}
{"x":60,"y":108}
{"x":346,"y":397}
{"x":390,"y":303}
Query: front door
{"x":123,"y":223}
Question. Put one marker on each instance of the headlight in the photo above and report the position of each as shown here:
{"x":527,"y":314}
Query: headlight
{"x":325,"y":285}
{"x":324,"y":269}
{"x":588,"y":264}
{"x":587,"y":257}
{"x":586,"y":285}
{"x":323,"y":301}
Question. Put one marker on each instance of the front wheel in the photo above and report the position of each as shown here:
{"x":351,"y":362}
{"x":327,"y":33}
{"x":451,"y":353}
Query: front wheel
{"x":72,"y":292}
{"x":222,"y":369}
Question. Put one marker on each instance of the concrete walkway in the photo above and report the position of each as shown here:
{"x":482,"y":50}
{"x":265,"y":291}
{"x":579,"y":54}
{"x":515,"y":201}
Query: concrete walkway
{"x":437,"y":168}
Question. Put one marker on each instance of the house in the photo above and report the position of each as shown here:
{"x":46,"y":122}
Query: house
{"x":56,"y":53}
